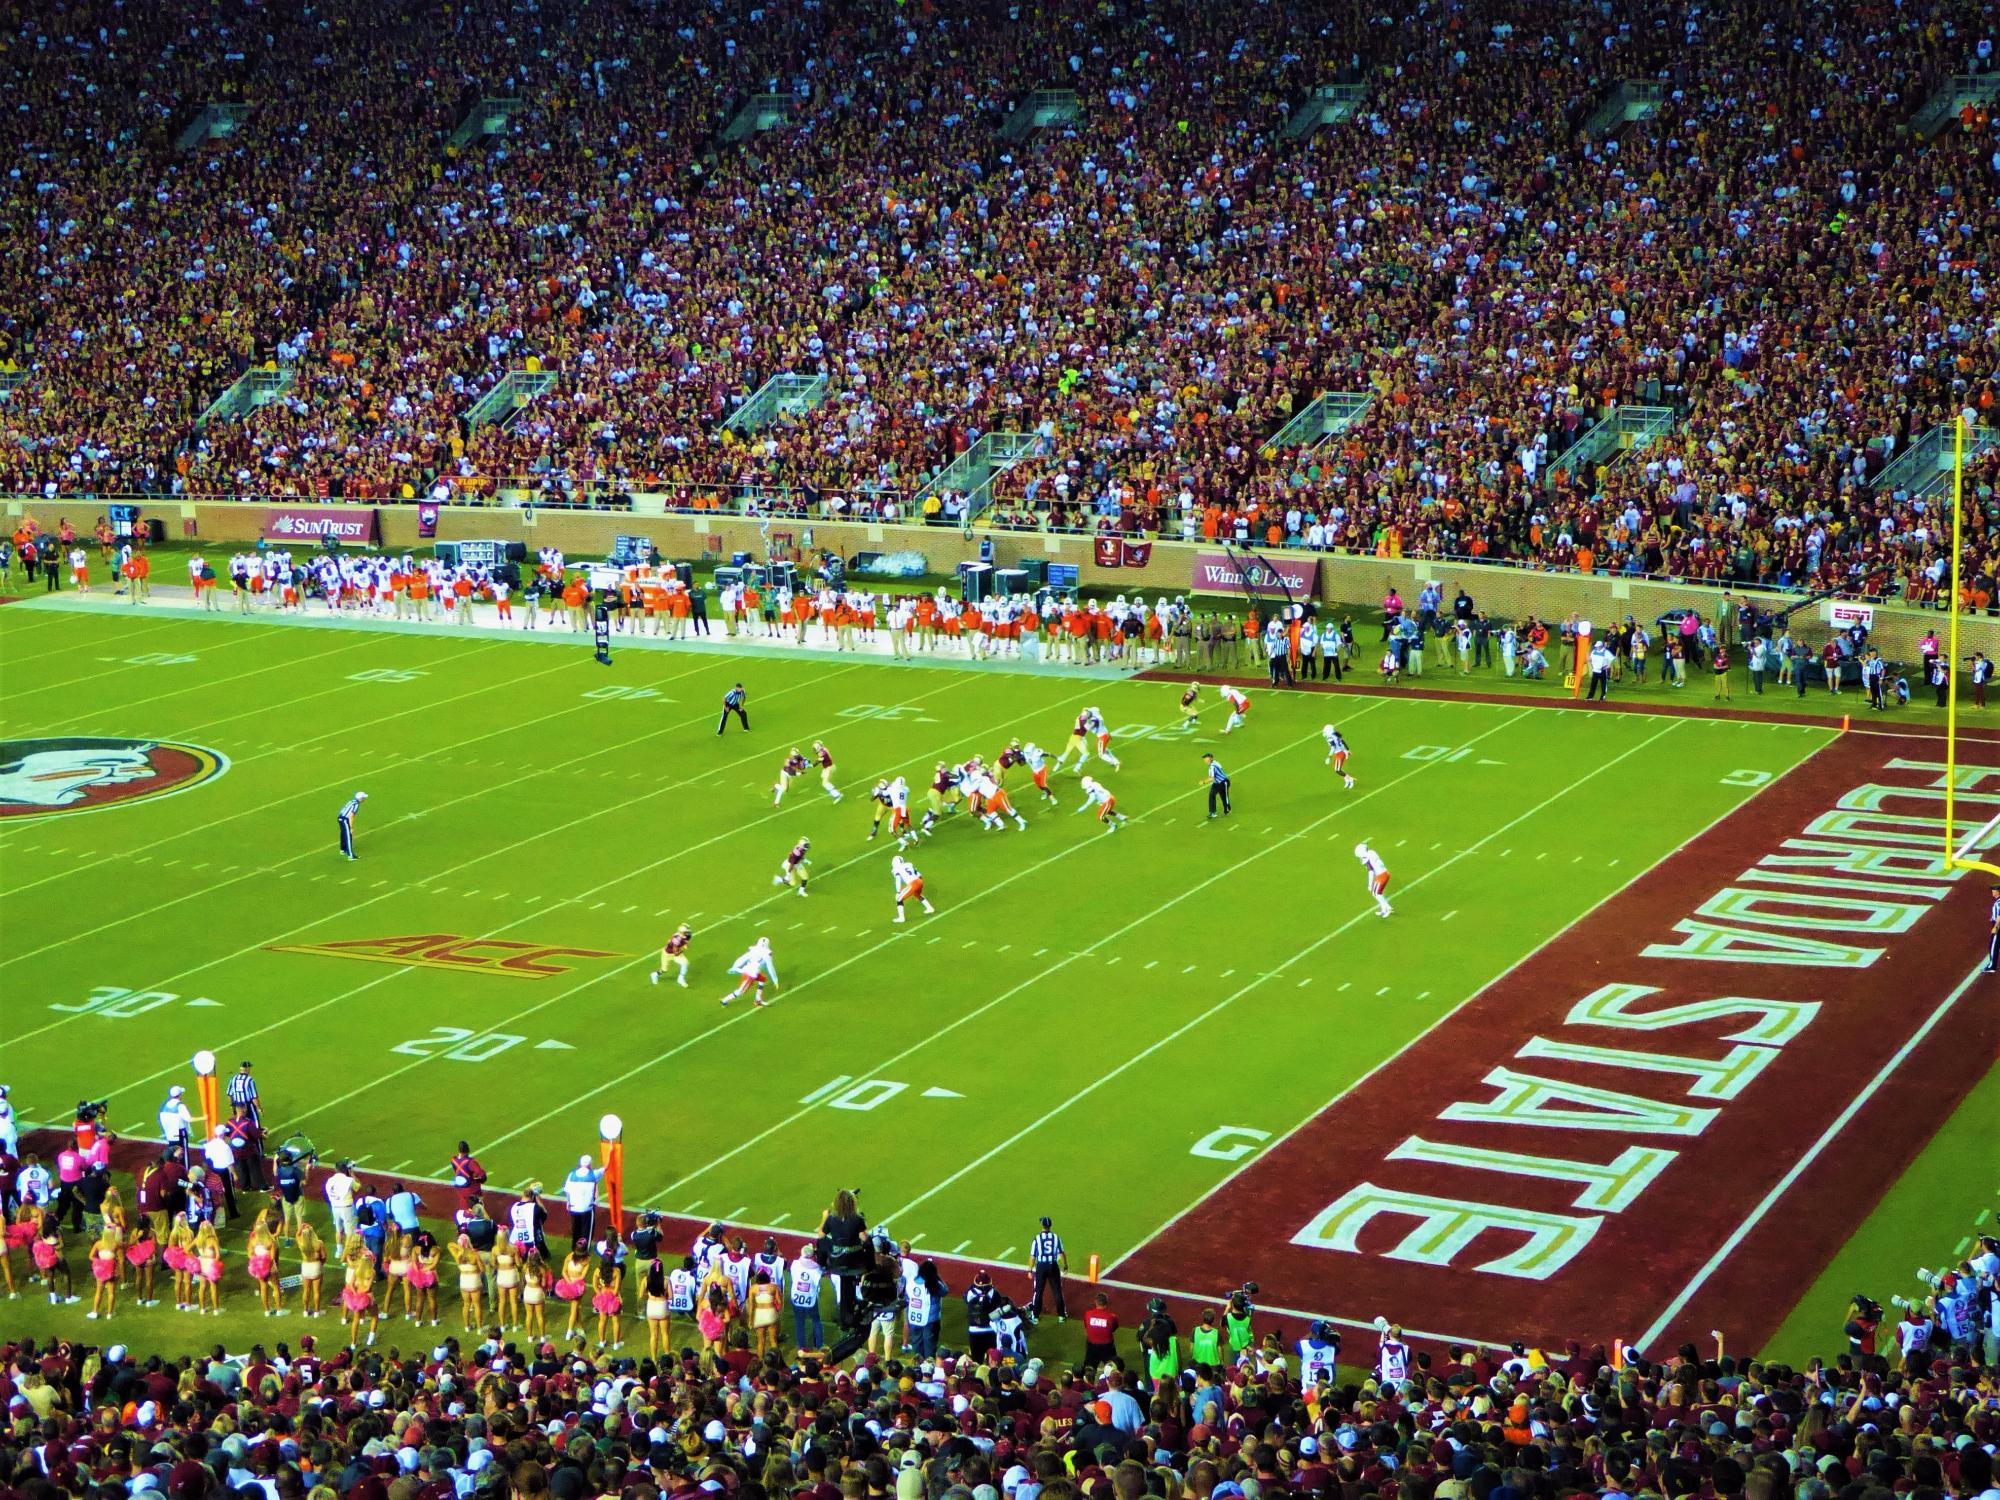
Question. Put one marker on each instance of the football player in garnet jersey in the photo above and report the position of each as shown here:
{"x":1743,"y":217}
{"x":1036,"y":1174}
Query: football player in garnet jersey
{"x":793,"y":768}
{"x":794,"y":870}
{"x":824,"y":758}
{"x":675,"y":952}
{"x":1189,"y":712}
{"x":1079,"y":742}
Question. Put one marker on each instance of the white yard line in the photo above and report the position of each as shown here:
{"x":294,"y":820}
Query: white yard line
{"x":318,"y":850}
{"x":1581,"y":917}
{"x":1807,"y":1158}
{"x":1230,"y":999}
{"x":1067,"y":959}
{"x":721,"y":1026}
{"x":581,"y":986}
{"x":480,"y":858}
{"x":333,"y":790}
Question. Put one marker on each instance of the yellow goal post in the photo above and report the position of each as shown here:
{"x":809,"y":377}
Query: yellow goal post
{"x":1960,"y":854}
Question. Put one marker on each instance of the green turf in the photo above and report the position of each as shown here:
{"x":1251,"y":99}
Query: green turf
{"x":1927,"y":1219}
{"x":1087,"y":1005}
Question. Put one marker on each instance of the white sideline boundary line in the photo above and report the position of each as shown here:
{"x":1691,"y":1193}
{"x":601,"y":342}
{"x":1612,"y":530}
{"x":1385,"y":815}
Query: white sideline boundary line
{"x":1811,"y":1154}
{"x":1574,"y":922}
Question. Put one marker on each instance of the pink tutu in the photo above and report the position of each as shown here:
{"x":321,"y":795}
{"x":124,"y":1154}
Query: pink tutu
{"x":104,"y":1267}
{"x":209,"y":1271}
{"x":19,"y":1234}
{"x":421,"y":1278}
{"x":355,"y":1300}
{"x":46,"y":1254}
{"x":261,"y":1263}
{"x":608,"y":1303}
{"x":142,"y":1252}
{"x":176,"y":1259}
{"x":568,"y":1290}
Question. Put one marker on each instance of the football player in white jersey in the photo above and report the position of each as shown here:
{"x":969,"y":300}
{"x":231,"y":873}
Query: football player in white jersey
{"x":753,"y":971}
{"x":1336,"y":752}
{"x":1239,"y":706}
{"x":1378,"y":877}
{"x":909,"y":884}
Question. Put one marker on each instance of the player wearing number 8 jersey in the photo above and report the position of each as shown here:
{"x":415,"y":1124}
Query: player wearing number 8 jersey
{"x":1378,"y":877}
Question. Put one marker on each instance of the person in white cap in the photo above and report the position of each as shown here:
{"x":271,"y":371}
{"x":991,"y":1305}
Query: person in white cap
{"x":10,"y":1129}
{"x":580,"y":1197}
{"x":177,"y":1121}
{"x":347,"y":814}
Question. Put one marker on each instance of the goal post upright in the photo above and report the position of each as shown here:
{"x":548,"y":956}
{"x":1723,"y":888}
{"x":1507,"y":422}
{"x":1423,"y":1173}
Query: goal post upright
{"x":1958,"y":854}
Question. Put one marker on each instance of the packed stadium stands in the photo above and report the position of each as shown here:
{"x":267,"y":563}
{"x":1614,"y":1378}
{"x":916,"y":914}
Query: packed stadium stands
{"x":1765,"y":245}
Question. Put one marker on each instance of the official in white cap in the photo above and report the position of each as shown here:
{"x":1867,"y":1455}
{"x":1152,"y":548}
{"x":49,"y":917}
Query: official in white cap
{"x":580,"y":1197}
{"x":347,"y":815}
{"x":176,"y":1121}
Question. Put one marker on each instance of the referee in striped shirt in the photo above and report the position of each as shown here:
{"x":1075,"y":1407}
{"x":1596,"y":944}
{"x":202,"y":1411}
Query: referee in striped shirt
{"x":1048,"y":1259}
{"x":1218,"y":786}
{"x":243,"y":1094}
{"x":347,"y":823}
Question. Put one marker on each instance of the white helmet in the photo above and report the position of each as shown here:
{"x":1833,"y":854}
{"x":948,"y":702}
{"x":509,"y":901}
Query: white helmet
{"x":1327,"y":730}
{"x":1360,"y":851}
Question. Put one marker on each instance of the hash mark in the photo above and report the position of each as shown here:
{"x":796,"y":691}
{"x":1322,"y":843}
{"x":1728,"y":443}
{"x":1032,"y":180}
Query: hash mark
{"x":692,"y":1206}
{"x":959,"y":1249}
{"x":1153,"y":963}
{"x":1448,"y":916}
{"x":401,"y":1164}
{"x":1188,"y":970}
{"x":1227,"y":972}
{"x":1381,"y":992}
{"x":1306,"y":981}
{"x":1113,"y":959}
{"x":737,"y":1213}
{"x":1345,"y":984}
{"x":627,"y":912}
{"x":1423,"y":994}
{"x":781,"y":1218}
{"x":1040,"y":951}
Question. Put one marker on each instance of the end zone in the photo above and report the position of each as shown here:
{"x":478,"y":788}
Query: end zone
{"x":1692,"y":1095}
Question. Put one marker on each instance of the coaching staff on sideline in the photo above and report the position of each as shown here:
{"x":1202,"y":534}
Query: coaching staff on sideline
{"x":732,"y":703}
{"x":1218,"y":785}
{"x":347,"y":823}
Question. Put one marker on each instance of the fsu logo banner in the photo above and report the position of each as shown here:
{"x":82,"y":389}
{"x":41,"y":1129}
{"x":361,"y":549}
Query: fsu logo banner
{"x":83,"y":774}
{"x":1110,"y":552}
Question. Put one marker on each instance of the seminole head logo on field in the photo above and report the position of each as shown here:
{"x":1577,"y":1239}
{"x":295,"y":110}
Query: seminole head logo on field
{"x":83,"y":774}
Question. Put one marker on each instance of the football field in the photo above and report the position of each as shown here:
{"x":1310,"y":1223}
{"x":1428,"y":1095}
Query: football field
{"x":1190,"y":1041}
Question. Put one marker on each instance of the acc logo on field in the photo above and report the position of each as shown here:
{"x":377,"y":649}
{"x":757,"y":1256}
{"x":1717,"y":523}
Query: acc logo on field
{"x":82,"y":774}
{"x":504,"y":957}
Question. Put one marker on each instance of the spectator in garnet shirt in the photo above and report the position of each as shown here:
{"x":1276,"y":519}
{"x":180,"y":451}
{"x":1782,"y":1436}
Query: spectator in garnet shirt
{"x":1100,"y":1333}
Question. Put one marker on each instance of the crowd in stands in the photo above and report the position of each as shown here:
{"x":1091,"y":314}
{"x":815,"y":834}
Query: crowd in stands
{"x":1151,"y":291}
{"x":1234,"y":1410}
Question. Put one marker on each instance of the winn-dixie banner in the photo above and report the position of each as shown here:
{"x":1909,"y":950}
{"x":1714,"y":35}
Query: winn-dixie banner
{"x":1220,"y":573}
{"x":1669,"y":1118}
{"x":312,"y":523}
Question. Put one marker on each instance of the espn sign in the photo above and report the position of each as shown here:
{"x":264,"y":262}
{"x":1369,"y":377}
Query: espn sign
{"x":312,"y":523}
{"x":1220,"y":573}
{"x":1843,"y":614}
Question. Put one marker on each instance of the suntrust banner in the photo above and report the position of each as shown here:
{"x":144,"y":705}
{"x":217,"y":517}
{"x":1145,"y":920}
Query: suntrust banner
{"x":344,"y":523}
{"x":1220,"y":573}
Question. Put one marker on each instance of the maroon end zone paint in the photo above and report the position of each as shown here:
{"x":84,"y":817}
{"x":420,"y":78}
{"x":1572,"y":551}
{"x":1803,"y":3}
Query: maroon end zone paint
{"x":1640,"y":1256}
